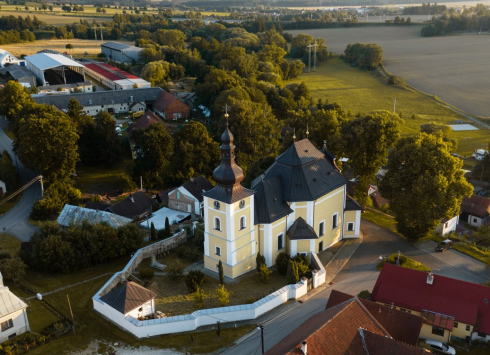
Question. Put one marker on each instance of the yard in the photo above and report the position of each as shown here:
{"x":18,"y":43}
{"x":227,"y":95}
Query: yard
{"x":362,"y":91}
{"x":101,"y":179}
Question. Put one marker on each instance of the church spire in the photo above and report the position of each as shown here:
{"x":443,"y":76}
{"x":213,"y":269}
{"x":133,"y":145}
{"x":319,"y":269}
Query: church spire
{"x":227,"y":173}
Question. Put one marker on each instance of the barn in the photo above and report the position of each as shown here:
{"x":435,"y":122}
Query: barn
{"x":120,"y":52}
{"x":55,"y":69}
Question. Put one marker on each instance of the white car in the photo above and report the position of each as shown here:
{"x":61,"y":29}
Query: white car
{"x":439,"y":347}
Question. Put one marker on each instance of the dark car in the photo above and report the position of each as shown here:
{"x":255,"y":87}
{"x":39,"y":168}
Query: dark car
{"x":444,"y":245}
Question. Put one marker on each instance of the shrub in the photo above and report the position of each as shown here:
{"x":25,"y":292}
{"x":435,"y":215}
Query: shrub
{"x":182,"y":251}
{"x":198,"y":296}
{"x":264,"y":273}
{"x":302,"y":264}
{"x":364,"y":294}
{"x":175,"y":271}
{"x":153,"y":232}
{"x":220,"y":272}
{"x":292,"y":273}
{"x":5,"y":254}
{"x":282,"y":261}
{"x":194,"y":280}
{"x":223,"y":295}
{"x":147,"y":273}
{"x":199,"y":238}
{"x":260,"y":259}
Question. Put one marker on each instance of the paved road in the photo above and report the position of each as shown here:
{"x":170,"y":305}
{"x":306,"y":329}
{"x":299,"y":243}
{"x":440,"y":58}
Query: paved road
{"x":359,"y":274}
{"x":15,"y":222}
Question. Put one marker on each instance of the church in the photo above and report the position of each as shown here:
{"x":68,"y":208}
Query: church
{"x":298,"y":205}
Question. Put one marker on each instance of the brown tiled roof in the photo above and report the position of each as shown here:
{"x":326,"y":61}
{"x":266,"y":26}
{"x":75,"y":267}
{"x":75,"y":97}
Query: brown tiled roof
{"x":132,"y":206}
{"x":162,"y":196}
{"x":369,"y":343}
{"x":148,"y":119}
{"x":476,"y":205}
{"x":128,"y":297}
{"x":378,"y":200}
{"x":330,"y":332}
{"x":402,"y":326}
{"x":163,"y":101}
{"x":197,"y":186}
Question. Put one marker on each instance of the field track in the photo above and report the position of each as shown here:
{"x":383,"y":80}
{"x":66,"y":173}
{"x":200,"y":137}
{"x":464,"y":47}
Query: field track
{"x":454,"y":68}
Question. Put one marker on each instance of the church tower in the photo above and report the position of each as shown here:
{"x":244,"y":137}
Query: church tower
{"x":229,"y":233}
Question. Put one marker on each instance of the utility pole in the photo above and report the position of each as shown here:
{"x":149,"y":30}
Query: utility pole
{"x":42,"y":186}
{"x":72,"y":319}
{"x":101,"y":35}
{"x":261,"y":327}
{"x":309,"y":56}
{"x":394,"y":106}
{"x":95,"y":33}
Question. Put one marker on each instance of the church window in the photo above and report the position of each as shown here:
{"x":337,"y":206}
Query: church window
{"x":335,"y":222}
{"x":350,"y":226}
{"x":242,"y":223}
{"x":217,"y":224}
{"x":321,"y":229}
{"x":217,"y":251}
{"x":280,"y":241}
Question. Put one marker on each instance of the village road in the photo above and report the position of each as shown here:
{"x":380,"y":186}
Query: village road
{"x":16,"y":221}
{"x":359,"y":274}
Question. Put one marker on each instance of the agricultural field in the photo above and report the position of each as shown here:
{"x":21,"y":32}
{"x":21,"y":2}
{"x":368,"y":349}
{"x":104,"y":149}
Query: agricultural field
{"x":80,"y":46}
{"x":362,"y":91}
{"x":58,"y":18}
{"x":454,"y":68}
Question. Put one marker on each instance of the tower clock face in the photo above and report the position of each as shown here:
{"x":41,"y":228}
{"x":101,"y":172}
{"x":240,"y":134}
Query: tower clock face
{"x":216,"y":205}
{"x":242,"y":203}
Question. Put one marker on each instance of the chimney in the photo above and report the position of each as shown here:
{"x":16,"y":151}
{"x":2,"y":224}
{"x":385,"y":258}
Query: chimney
{"x":304,"y":348}
{"x":192,"y":179}
{"x":430,"y":278}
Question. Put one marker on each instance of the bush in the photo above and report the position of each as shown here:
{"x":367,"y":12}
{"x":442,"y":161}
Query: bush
{"x":364,"y":55}
{"x":264,"y":273}
{"x":147,"y":273}
{"x":199,"y":238}
{"x":282,"y":261}
{"x":198,"y":296}
{"x":292,"y":273}
{"x":302,"y":264}
{"x":4,"y":254}
{"x":182,"y":251}
{"x":175,"y":271}
{"x":223,"y":295}
{"x":194,"y":280}
{"x":364,"y":294}
{"x":260,"y":259}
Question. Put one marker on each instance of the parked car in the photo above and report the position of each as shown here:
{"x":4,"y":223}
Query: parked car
{"x":444,"y":245}
{"x":439,"y":347}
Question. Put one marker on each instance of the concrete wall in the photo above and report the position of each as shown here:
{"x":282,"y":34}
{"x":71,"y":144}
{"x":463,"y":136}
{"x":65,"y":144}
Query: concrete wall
{"x":318,"y":273}
{"x":20,"y":324}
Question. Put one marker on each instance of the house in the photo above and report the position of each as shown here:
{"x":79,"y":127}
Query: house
{"x":3,"y":188}
{"x":120,"y":52}
{"x":159,"y":217}
{"x":135,"y":206}
{"x":188,"y":197}
{"x":475,"y":210}
{"x":388,"y":317}
{"x":162,"y":196}
{"x":302,"y":187}
{"x":373,"y":192}
{"x":132,"y":300}
{"x":345,"y":328}
{"x":148,"y":119}
{"x":61,"y":89}
{"x":448,"y":225}
{"x":450,"y":307}
{"x":20,"y":74}
{"x":135,"y":100}
{"x":169,"y":107}
{"x":13,"y":315}
{"x":6,"y":58}
{"x":75,"y":215}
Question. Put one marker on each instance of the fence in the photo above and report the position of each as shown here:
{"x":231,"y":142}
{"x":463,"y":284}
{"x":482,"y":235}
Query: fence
{"x":190,"y":322}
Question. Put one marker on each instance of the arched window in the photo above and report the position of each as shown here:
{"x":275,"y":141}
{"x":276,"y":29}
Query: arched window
{"x":217,"y":224}
{"x":242,"y":223}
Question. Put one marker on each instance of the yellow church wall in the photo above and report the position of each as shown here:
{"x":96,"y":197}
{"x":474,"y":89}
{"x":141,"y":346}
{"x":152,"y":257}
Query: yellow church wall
{"x":278,"y":227}
{"x":350,"y":217}
{"x":243,"y":253}
{"x":212,"y":213}
{"x":221,"y":243}
{"x":244,"y":266}
{"x":300,"y":210}
{"x":325,"y":208}
{"x":303,"y":246}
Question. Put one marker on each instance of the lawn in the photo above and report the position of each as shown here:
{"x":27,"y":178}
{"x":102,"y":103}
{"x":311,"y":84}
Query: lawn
{"x":362,"y":91}
{"x":101,"y":179}
{"x":12,"y":244}
{"x":380,"y":219}
{"x":80,"y":46}
{"x":405,"y":262}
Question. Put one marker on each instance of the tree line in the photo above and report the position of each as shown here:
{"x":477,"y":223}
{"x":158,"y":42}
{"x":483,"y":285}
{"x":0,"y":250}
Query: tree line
{"x":475,"y":20}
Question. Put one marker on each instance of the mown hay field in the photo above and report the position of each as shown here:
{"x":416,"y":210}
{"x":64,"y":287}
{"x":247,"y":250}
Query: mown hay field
{"x":80,"y":46}
{"x":58,"y":18}
{"x":362,"y":91}
{"x":454,"y":68}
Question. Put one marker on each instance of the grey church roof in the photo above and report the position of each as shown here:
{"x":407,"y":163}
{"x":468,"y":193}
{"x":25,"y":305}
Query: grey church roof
{"x":305,"y":173}
{"x":228,"y":194}
{"x":101,"y":97}
{"x":352,"y":205}
{"x":301,"y":230}
{"x":269,"y":202}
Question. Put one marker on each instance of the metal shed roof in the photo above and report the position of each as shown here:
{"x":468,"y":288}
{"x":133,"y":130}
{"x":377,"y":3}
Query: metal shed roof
{"x":46,"y":61}
{"x":9,"y":303}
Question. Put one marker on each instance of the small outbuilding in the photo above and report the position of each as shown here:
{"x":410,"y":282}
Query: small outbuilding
{"x":170,"y":107}
{"x":158,"y":218}
{"x":188,"y":197}
{"x":13,"y":315}
{"x":135,"y":206}
{"x":132,"y":300}
{"x":120,"y":52}
{"x":71,"y":215}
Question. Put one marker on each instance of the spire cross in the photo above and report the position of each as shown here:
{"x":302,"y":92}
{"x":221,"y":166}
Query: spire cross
{"x":307,"y":132}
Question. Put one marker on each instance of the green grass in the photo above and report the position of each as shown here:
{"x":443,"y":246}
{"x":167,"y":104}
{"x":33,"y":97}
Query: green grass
{"x":100,"y":179}
{"x":405,"y":262}
{"x":10,"y":243}
{"x":362,"y":91}
{"x":39,"y":317}
{"x":380,"y":219}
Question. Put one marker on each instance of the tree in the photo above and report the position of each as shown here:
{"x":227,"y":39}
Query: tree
{"x":156,"y":72}
{"x":153,"y":151}
{"x":13,"y":97}
{"x":13,"y":268}
{"x":7,"y":171}
{"x":69,"y":46}
{"x":223,"y":295}
{"x":366,"y":141}
{"x":47,"y":143}
{"x":172,"y":38}
{"x":220,"y":272}
{"x":168,"y":232}
{"x":364,"y":55}
{"x":292,"y":273}
{"x":282,"y":263}
{"x":194,"y":280}
{"x":424,"y":184}
{"x":77,"y":113}
{"x":195,"y":153}
{"x":443,"y":131}
{"x":175,"y":271}
{"x":153,"y":232}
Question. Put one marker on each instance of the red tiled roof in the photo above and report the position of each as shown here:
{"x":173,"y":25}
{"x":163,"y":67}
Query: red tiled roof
{"x":378,"y":200}
{"x":101,"y":71}
{"x":330,"y":332}
{"x":163,"y":101}
{"x":375,"y":344}
{"x":476,"y":205}
{"x":439,"y":320}
{"x":465,"y":301}
{"x":145,"y":121}
{"x":119,"y":71}
{"x":402,"y":326}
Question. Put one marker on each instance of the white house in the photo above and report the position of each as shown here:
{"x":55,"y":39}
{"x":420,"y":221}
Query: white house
{"x":447,"y":225}
{"x":13,"y":315}
{"x":188,"y":197}
{"x":132,"y":300}
{"x":3,"y":188}
{"x":7,"y":58}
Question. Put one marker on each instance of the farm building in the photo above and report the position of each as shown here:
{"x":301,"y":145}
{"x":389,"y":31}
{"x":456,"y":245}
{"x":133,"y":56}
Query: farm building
{"x":115,"y":78}
{"x":55,"y":69}
{"x":135,"y":100}
{"x":120,"y":52}
{"x":75,"y":215}
{"x":170,"y":107}
{"x":6,"y":58}
{"x":86,"y":86}
{"x":22,"y":75}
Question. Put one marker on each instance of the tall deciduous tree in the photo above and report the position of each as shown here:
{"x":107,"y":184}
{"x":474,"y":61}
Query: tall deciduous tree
{"x":13,"y":97}
{"x":47,"y":143}
{"x":366,"y":141}
{"x":443,"y":131}
{"x":153,"y":151}
{"x":424,"y":183}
